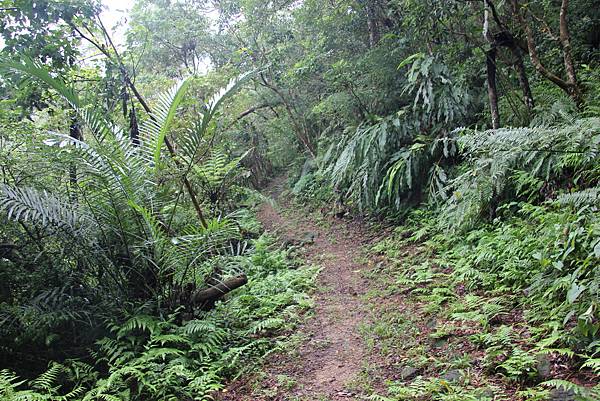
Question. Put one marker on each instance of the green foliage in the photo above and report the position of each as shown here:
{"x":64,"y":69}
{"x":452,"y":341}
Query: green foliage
{"x":554,"y":268}
{"x":433,"y":389}
{"x":109,"y":224}
{"x":313,"y":188}
{"x":515,"y":163}
{"x":46,"y":387}
{"x":39,"y":207}
{"x":218,"y":176}
{"x":398,"y":158}
{"x":105,"y":235}
{"x":170,"y":358}
{"x":581,"y":393}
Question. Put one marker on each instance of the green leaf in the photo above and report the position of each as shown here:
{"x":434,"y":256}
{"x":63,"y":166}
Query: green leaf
{"x":410,"y":59}
{"x":575,"y":292}
{"x":169,"y":103}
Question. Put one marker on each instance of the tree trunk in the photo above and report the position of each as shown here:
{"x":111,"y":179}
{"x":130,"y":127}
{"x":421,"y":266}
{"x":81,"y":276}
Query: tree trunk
{"x":490,"y":56}
{"x":565,"y":41}
{"x":490,"y":63}
{"x":570,"y":86}
{"x":523,"y":80}
{"x":211,"y":295}
{"x":372,"y":25}
{"x":75,"y":133}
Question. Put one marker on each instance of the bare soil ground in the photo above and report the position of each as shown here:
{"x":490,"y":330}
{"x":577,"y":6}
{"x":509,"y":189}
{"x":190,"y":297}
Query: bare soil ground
{"x":328,"y":364}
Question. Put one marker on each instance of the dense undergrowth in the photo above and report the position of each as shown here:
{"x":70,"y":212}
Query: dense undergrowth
{"x":507,"y":308}
{"x":508,"y":220}
{"x":174,"y":357}
{"x":113,"y":274}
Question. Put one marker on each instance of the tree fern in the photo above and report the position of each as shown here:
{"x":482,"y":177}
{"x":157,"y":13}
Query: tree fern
{"x":193,"y":142}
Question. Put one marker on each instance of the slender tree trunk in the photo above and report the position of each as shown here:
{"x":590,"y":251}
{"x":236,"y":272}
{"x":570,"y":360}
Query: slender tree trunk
{"x":523,"y":80}
{"x":490,"y":63}
{"x":372,"y":25}
{"x":570,"y":85}
{"x":75,"y":133}
{"x":565,"y":41}
{"x":491,"y":84}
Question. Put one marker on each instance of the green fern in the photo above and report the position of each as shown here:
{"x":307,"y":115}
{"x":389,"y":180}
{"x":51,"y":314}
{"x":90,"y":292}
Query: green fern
{"x":395,"y":159}
{"x":39,"y":207}
{"x":582,"y":393}
{"x":541,"y":152}
{"x":593,"y":364}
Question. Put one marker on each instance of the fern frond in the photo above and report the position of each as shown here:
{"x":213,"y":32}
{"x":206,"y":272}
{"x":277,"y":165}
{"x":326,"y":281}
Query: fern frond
{"x":578,"y":199}
{"x":40,"y":207}
{"x":583,"y":393}
{"x":138,"y":322}
{"x":47,"y":381}
{"x":593,"y":364}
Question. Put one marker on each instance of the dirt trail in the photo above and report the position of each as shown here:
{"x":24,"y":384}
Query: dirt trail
{"x":331,"y":360}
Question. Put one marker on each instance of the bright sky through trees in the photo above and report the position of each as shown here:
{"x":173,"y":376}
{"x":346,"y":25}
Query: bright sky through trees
{"x":115,"y":17}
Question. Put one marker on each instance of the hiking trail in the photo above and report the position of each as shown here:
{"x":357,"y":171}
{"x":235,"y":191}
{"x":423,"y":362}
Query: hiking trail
{"x":332,"y":357}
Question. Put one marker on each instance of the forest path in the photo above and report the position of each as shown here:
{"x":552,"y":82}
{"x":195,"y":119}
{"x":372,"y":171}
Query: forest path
{"x":328,"y":364}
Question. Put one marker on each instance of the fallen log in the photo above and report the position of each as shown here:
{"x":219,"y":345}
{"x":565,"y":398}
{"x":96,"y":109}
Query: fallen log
{"x":211,"y":295}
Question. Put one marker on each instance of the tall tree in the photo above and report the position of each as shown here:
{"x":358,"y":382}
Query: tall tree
{"x":569,"y":84}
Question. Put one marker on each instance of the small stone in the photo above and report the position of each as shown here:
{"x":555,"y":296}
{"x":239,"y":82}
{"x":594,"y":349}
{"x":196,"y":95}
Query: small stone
{"x":408,"y":372}
{"x":543,"y":366}
{"x":309,"y":238}
{"x":488,"y":393}
{"x":452,"y":375}
{"x":562,"y":395}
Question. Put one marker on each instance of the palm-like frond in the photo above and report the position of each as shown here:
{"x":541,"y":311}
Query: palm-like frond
{"x":191,"y":144}
{"x":118,"y":204}
{"x":40,"y":207}
{"x":155,"y":129}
